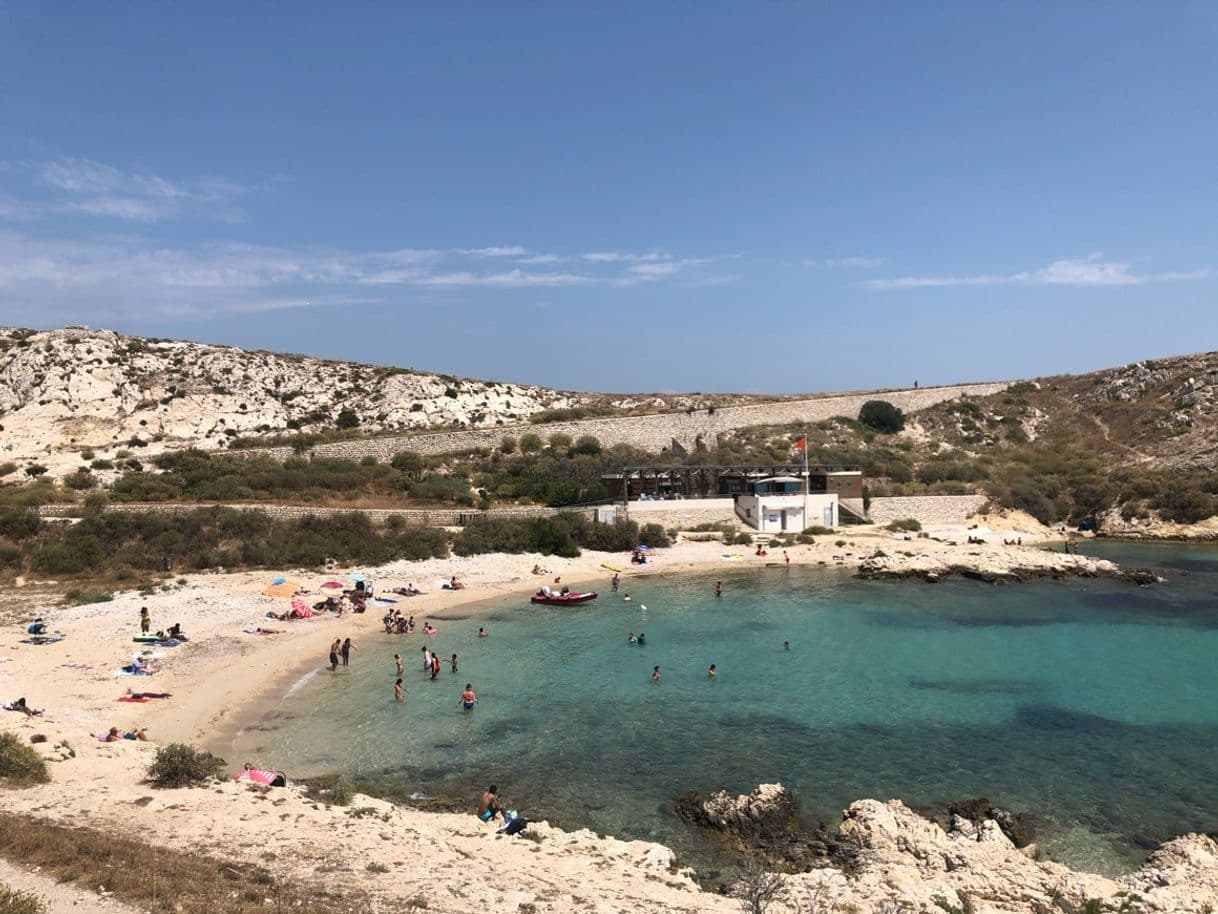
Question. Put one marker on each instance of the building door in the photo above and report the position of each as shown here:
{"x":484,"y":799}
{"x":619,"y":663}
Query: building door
{"x":784,"y":518}
{"x":828,"y":515}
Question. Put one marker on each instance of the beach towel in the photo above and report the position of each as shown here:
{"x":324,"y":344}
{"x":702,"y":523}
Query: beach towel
{"x":43,"y":639}
{"x":282,"y":589}
{"x":261,"y":776}
{"x":383,"y":600}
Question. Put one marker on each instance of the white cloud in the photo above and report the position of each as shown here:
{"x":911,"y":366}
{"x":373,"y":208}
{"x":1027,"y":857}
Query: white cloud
{"x":511,"y":250}
{"x":516,"y":279}
{"x":716,"y":280}
{"x":539,"y":259}
{"x":72,"y":185}
{"x":623,"y":257}
{"x":849,"y":263}
{"x":1090,"y":271}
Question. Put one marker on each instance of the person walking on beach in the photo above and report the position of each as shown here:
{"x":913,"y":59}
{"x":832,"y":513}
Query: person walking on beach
{"x":397,"y":661}
{"x":334,"y":648}
{"x":398,"y":690}
{"x":346,"y":651}
{"x":145,"y":620}
{"x":468,"y":698}
{"x":655,"y":674}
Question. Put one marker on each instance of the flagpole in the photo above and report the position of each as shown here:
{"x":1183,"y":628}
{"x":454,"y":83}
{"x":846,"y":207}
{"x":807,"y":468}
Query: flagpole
{"x":807,"y":482}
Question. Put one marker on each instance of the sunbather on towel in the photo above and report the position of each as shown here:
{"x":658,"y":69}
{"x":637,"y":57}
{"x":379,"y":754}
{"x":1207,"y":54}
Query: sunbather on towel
{"x":20,"y":705}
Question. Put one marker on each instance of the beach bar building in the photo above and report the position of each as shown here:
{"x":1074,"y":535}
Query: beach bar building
{"x":783,"y":504}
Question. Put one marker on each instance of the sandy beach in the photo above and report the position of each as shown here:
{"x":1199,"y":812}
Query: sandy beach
{"x":224,"y":676}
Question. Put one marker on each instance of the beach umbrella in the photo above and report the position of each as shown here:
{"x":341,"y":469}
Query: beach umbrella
{"x":332,"y":585}
{"x":643,"y":548}
{"x":358,"y":576}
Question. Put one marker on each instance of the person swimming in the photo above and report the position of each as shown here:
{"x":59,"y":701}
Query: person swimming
{"x":632,"y":639}
{"x":655,"y":674}
{"x":786,"y":645}
{"x":626,"y":598}
{"x":712,"y":672}
{"x":468,"y":698}
{"x":642,"y":639}
{"x":482,"y":633}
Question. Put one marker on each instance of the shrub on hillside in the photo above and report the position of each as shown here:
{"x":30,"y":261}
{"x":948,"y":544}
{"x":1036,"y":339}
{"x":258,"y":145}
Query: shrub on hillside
{"x":905,"y":525}
{"x":347,"y":419}
{"x":179,"y":765}
{"x":586,"y":444}
{"x":882,"y":416}
{"x":530,"y":442}
{"x":14,"y":902}
{"x":20,"y":764}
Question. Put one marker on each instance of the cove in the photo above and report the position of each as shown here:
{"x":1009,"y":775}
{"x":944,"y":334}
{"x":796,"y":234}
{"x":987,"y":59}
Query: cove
{"x":1089,"y":704}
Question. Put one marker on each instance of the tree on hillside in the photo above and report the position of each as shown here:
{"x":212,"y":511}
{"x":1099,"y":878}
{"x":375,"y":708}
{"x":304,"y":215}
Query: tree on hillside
{"x":882,"y":416}
{"x":347,"y":419}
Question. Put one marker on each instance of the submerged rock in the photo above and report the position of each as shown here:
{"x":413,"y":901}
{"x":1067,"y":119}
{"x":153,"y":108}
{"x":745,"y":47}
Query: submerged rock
{"x":764,"y":826}
{"x":977,"y":811}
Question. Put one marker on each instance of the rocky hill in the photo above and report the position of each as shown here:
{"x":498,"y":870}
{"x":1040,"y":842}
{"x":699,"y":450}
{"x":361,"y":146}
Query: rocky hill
{"x":64,"y":392}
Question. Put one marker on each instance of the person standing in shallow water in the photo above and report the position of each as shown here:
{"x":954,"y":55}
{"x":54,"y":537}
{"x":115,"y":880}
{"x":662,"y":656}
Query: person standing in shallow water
{"x":346,"y":651}
{"x":454,"y":663}
{"x":398,"y":690}
{"x":718,"y":588}
{"x":468,"y":698}
{"x":712,"y":672}
{"x":334,"y":654}
{"x":614,"y":582}
{"x":655,"y":674}
{"x":397,"y":661}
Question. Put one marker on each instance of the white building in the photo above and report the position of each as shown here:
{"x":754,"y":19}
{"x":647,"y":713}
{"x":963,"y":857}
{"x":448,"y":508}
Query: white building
{"x":781,"y":504}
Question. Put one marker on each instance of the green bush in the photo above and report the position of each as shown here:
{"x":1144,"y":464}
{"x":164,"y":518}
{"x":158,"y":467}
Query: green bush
{"x":14,"y":902}
{"x":179,"y":765}
{"x":507,"y":445}
{"x":347,"y":419}
{"x":530,"y":442}
{"x":560,"y":441}
{"x":905,"y":525}
{"x":653,"y":535}
{"x":34,"y":470}
{"x":585,"y":444}
{"x":882,"y":416}
{"x":20,"y":764}
{"x":817,"y":530}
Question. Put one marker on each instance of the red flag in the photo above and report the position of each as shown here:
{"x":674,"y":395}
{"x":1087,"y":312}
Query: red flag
{"x":801,"y":444}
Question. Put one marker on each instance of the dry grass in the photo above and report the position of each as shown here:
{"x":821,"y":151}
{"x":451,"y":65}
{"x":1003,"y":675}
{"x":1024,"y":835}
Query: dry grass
{"x":157,"y":879}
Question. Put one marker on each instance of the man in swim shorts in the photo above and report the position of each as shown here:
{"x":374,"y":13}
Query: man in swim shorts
{"x":489,"y":806}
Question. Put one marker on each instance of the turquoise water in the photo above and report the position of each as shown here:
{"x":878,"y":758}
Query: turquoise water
{"x":1092,"y":705}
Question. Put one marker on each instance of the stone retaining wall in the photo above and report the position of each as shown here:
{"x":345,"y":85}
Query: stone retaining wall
{"x":684,"y":514}
{"x":927,"y":509}
{"x":443,"y":517}
{"x":649,"y":433}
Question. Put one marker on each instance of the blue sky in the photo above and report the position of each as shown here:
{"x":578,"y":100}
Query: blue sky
{"x":653,"y":196}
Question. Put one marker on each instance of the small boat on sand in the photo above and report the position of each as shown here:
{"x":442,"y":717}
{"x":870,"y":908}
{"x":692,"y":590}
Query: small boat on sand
{"x":562,"y":599}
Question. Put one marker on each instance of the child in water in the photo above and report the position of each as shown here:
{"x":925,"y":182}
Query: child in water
{"x":454,"y":663}
{"x":712,"y":672}
{"x":398,"y":690}
{"x":655,"y":674}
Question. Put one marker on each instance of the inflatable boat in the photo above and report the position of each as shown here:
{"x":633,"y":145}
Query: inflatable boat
{"x":562,"y":599}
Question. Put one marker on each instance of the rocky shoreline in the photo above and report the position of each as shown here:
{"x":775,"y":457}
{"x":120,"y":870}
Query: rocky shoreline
{"x":993,"y":565}
{"x":885,"y":857}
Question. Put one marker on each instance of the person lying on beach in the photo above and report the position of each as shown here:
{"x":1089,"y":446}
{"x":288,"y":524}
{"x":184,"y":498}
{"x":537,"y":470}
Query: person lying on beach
{"x":259,"y":630}
{"x":144,"y":696}
{"x":20,"y":705}
{"x":454,"y":584}
{"x":140,"y":667}
{"x":175,"y":631}
{"x":537,"y":569}
{"x":408,"y":591}
{"x":114,"y":736}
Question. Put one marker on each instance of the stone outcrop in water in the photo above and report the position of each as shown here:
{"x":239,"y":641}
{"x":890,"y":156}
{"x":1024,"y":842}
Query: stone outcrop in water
{"x":1003,"y":565}
{"x":905,"y":862}
{"x":765,"y":827}
{"x":969,"y":818}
